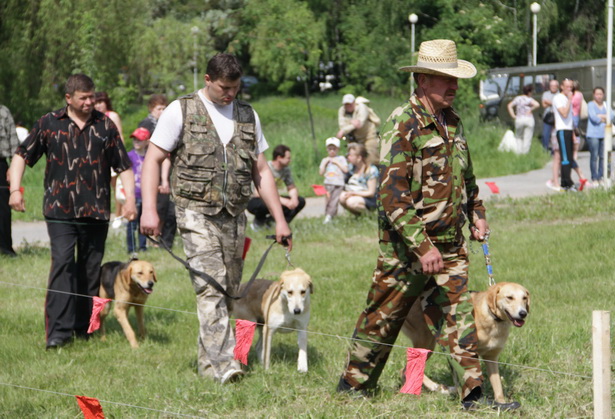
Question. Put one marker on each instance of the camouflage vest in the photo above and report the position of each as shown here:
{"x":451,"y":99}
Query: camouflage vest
{"x":208,"y":177}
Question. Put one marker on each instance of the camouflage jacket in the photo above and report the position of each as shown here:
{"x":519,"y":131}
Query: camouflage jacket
{"x":427,"y":184}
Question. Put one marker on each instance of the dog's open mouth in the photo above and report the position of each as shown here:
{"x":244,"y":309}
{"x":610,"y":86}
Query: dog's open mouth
{"x":145,"y":290}
{"x":517,"y":323}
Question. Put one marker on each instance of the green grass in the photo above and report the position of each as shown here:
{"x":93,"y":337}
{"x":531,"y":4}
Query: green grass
{"x":558,"y":246}
{"x":286,"y":121}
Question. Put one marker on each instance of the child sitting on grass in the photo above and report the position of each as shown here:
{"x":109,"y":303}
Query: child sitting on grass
{"x":333,"y":168}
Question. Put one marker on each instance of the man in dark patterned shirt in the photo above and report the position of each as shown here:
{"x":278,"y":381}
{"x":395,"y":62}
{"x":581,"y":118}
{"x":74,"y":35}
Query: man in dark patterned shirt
{"x":8,"y":144}
{"x":81,"y":146}
{"x":427,"y":190}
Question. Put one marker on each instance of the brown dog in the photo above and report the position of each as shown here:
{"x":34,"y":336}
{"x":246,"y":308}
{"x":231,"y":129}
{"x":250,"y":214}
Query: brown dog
{"x":128,"y":284}
{"x":495,"y":310}
{"x":279,"y":306}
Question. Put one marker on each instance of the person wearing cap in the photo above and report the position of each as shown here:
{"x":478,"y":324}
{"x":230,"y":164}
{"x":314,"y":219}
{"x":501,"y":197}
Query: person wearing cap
{"x":140,"y":138}
{"x":427,"y":190}
{"x":355,"y":125}
{"x":333,"y":168}
{"x":81,"y":146}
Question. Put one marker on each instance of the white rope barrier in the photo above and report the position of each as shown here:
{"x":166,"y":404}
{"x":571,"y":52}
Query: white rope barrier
{"x":318,"y":333}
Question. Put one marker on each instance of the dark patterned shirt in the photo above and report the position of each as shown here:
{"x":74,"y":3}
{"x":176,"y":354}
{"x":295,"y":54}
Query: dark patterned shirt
{"x":79,"y":162}
{"x":8,"y":135}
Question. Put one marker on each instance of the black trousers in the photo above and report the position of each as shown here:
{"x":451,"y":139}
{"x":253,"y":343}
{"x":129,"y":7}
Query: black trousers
{"x":564,"y":139}
{"x":166,"y":212}
{"x":257,"y":207}
{"x":71,"y":272}
{"x":6,"y":240}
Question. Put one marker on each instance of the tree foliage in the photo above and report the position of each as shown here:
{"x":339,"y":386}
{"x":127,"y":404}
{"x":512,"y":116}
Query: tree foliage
{"x":132,"y":49}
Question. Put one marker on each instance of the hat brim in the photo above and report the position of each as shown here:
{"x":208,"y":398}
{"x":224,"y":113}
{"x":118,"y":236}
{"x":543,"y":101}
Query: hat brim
{"x":464,"y":70}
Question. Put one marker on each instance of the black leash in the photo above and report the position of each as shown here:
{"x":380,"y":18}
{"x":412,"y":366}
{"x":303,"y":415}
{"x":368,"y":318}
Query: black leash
{"x":211,"y":281}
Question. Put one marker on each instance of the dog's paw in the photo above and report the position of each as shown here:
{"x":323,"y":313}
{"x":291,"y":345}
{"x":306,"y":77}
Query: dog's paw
{"x":448,"y":390}
{"x":302,"y":369}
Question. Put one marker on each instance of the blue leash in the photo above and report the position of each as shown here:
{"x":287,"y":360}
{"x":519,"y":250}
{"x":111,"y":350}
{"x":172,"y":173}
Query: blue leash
{"x":485,"y":246}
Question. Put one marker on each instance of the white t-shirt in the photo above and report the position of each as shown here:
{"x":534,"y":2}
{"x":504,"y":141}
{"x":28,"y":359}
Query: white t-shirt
{"x":166,"y":134}
{"x":559,"y":101}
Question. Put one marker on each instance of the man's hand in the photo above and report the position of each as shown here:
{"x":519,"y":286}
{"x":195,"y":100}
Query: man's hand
{"x":16,"y":201}
{"x":129,"y":209}
{"x":432,"y":262}
{"x":282,"y":231}
{"x":150,"y":223}
{"x":479,"y":230}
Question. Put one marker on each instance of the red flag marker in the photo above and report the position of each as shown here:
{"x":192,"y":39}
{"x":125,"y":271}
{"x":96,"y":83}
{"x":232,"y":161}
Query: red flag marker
{"x":90,"y":407}
{"x":319,"y":190}
{"x":99,"y":304}
{"x":415,"y":370}
{"x":494,"y":188}
{"x":244,"y":334}
{"x":246,"y":246}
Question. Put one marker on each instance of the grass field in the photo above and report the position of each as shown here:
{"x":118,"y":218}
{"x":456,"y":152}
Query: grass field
{"x":558,"y":246}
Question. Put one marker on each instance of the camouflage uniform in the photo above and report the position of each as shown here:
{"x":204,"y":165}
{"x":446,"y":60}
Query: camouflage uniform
{"x":211,"y":186}
{"x":427,"y":188}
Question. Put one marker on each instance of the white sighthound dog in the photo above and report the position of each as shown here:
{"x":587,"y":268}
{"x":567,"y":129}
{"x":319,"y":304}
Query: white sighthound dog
{"x":495,"y":310}
{"x":278,"y":306}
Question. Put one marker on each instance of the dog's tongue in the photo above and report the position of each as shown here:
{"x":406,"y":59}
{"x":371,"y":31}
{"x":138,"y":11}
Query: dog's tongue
{"x":148,"y":290}
{"x":518,"y":323}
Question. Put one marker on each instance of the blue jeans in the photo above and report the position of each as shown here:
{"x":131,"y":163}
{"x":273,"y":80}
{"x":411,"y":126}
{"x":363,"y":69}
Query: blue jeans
{"x":596,"y":157}
{"x":546,"y":135}
{"x":131,"y":228}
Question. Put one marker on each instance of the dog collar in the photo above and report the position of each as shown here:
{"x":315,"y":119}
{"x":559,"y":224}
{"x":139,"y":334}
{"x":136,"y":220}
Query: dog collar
{"x":496,"y":318}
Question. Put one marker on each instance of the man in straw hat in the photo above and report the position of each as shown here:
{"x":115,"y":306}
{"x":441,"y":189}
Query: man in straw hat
{"x":425,"y":175}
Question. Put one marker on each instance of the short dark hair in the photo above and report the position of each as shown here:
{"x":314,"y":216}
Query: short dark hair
{"x":103,"y":97}
{"x":155,"y":100}
{"x":280,"y":151}
{"x":598,"y":88}
{"x":78,"y":82}
{"x":527,"y":89}
{"x":224,"y":66}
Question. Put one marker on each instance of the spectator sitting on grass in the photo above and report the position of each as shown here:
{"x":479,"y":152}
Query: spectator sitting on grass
{"x":292,"y":203}
{"x":359,"y":194}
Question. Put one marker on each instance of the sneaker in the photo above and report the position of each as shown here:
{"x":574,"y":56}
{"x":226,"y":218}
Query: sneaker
{"x":551,"y":186}
{"x":256,"y":227}
{"x":327,"y":219}
{"x":571,"y":189}
{"x":231,"y":376}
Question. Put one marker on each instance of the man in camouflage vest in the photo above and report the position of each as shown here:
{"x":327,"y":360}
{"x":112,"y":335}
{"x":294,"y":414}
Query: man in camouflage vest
{"x":427,"y":189}
{"x":216,"y":145}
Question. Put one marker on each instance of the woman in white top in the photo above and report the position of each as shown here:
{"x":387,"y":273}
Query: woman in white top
{"x":524,"y":120}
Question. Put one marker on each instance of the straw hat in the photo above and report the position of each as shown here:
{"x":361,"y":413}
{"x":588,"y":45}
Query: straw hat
{"x":439,"y":57}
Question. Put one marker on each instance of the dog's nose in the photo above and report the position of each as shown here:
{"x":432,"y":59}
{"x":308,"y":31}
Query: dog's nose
{"x":522,"y":314}
{"x":297,"y":311}
{"x":151,"y":284}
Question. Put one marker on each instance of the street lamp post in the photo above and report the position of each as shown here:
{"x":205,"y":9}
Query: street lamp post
{"x":413,"y":18}
{"x":195,"y":32}
{"x":535,"y":8}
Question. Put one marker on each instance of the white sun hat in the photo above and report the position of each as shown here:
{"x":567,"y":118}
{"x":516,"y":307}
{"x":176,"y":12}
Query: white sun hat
{"x":439,"y":57}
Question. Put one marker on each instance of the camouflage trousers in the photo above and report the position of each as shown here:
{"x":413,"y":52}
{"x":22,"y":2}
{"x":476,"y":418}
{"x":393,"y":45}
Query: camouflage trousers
{"x":214,"y":245}
{"x":397,"y":283}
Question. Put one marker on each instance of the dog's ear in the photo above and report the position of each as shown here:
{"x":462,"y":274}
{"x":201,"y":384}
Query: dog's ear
{"x":528,"y":302}
{"x":126,"y":274}
{"x":492,"y":298}
{"x":311,"y":288}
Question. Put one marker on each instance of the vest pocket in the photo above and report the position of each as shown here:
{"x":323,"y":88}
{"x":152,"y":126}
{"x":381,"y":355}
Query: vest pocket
{"x":196,"y":186}
{"x":201,"y":155}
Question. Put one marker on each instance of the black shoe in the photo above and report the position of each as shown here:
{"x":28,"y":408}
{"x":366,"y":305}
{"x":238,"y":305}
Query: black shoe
{"x":471,"y":401}
{"x":344,"y":387}
{"x":56,"y":343}
{"x":82,"y":336}
{"x":503,"y":407}
{"x":9,"y":253}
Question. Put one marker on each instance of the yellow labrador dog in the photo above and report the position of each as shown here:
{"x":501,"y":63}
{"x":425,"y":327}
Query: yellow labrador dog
{"x":495,"y":310}
{"x":127,"y":283}
{"x":278,"y":305}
